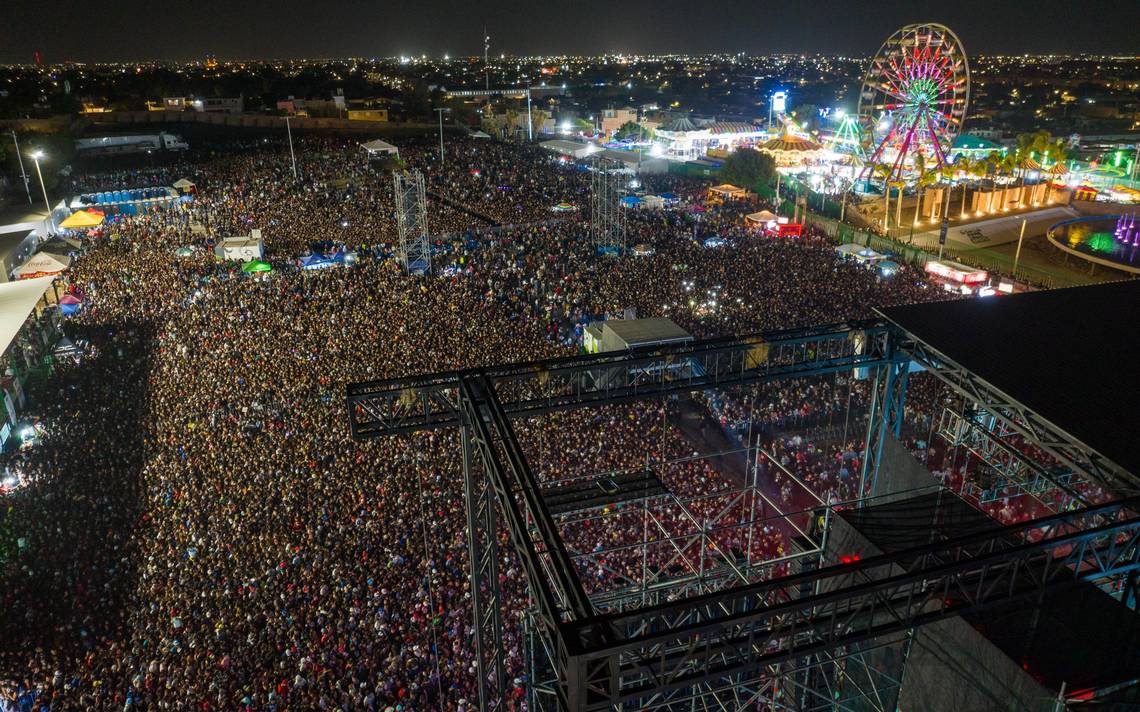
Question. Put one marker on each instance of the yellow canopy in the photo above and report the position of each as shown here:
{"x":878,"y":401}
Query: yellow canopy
{"x":81,"y":219}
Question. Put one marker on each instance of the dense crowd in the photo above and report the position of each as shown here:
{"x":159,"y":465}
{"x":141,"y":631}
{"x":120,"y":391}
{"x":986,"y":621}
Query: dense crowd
{"x":200,"y":532}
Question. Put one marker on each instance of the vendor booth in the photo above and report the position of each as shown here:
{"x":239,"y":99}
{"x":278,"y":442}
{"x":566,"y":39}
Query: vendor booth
{"x":241,"y":249}
{"x":42,"y":264}
{"x":380,"y":149}
{"x":858,"y":253}
{"x":255,"y":266}
{"x":82,"y":220}
{"x":70,"y":304}
{"x":726,"y":192}
{"x":316,"y":261}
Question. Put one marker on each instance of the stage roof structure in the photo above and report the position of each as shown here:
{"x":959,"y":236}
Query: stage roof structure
{"x":1070,"y":355}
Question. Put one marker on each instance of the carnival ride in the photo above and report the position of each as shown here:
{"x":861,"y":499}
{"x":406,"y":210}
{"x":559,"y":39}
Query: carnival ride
{"x":847,"y":138}
{"x":914,"y":98}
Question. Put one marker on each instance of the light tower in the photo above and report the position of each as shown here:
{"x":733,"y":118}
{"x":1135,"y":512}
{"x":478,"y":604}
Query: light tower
{"x":411,"y":222}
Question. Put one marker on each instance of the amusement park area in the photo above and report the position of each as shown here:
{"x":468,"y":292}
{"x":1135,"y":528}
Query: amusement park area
{"x":900,"y":171}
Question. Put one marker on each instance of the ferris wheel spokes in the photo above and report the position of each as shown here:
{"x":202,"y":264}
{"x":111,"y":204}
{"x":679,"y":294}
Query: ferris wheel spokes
{"x":919,"y":80}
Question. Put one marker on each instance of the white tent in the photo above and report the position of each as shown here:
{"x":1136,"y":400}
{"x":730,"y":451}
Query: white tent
{"x":41,"y":264}
{"x":653,"y":202}
{"x":569,"y":148}
{"x":17,"y":300}
{"x":242,"y":249}
{"x":761,"y":218}
{"x":378,"y":148}
{"x":480,"y":134}
{"x":858,"y":253}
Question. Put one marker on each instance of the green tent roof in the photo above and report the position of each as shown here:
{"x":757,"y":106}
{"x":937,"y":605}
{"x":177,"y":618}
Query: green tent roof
{"x":970,"y":142}
{"x":256,"y":266}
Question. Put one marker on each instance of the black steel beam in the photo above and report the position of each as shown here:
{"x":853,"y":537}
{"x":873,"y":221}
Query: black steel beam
{"x":705,"y":639}
{"x":1081,"y":458}
{"x":400,"y":405}
{"x":580,"y":495}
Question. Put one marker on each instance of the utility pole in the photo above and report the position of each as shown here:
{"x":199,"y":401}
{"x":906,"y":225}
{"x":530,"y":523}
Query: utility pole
{"x":440,"y":112}
{"x":1017,"y":255}
{"x":48,"y":227}
{"x":530,"y":121}
{"x":486,"y":61}
{"x":23,"y":173}
{"x":292,"y":155}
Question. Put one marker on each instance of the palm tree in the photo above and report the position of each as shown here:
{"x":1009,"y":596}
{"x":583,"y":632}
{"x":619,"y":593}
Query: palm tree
{"x":945,"y":175}
{"x":970,"y":167}
{"x":538,"y":118}
{"x":1023,"y":152}
{"x":885,"y":170}
{"x":1007,"y":166}
{"x":512,"y":123}
{"x":925,"y":178}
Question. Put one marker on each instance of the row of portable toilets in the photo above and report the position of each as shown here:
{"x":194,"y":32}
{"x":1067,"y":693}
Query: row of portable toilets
{"x":134,"y":208}
{"x":123,"y":196}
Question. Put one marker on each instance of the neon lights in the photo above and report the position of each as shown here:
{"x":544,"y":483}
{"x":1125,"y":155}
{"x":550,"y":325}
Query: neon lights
{"x":913,"y":99}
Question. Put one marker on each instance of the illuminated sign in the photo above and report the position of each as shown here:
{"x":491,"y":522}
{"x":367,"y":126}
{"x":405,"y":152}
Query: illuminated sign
{"x":780,"y":102}
{"x":961,"y":275}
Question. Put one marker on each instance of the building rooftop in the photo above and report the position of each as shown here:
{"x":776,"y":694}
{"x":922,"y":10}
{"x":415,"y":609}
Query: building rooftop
{"x":970,"y":142}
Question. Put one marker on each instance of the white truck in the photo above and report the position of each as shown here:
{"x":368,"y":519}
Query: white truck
{"x":131,"y":144}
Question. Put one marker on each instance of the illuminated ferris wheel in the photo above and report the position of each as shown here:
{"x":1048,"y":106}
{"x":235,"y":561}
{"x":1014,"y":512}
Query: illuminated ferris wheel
{"x":914,"y":98}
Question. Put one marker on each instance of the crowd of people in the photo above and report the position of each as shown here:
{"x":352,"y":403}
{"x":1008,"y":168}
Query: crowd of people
{"x":199,"y":530}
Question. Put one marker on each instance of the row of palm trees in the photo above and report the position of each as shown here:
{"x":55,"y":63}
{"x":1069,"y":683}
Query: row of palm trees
{"x":1030,"y":149}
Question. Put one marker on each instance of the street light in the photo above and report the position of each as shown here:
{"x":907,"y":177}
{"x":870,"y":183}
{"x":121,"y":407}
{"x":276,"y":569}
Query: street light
{"x":36,"y":156}
{"x":440,"y":112}
{"x":292,"y":156}
{"x":23,"y":173}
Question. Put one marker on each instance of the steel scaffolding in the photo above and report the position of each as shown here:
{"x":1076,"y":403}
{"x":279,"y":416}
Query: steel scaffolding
{"x":411,"y":221}
{"x":678,"y":620}
{"x":607,"y":221}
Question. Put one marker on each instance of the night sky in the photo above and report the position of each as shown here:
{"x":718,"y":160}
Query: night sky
{"x":114,"y":30}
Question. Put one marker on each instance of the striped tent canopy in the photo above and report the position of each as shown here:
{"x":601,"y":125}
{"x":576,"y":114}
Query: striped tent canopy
{"x":1058,"y":169}
{"x":681,"y":124}
{"x":791,"y":142}
{"x":732,"y":127}
{"x":1029,"y":165}
{"x":791,"y":150}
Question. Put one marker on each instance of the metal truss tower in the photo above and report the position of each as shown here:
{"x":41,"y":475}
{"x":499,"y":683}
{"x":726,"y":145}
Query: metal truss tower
{"x":682,"y":622}
{"x":607,"y":221}
{"x":411,"y":221}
